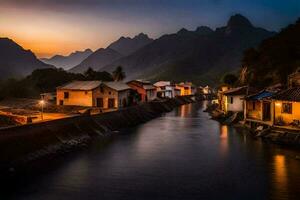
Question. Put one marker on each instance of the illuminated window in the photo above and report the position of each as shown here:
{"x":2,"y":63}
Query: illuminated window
{"x":287,"y":108}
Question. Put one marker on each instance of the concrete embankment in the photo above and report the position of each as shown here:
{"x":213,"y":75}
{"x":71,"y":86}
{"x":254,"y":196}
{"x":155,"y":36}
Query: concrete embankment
{"x":22,"y":144}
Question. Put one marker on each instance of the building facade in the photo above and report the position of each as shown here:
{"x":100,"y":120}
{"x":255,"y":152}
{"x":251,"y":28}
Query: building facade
{"x":145,"y":89}
{"x":94,"y":94}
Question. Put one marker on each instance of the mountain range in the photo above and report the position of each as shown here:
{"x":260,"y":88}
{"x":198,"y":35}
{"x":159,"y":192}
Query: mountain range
{"x":116,"y":50}
{"x":67,"y":62}
{"x":16,"y":61}
{"x":201,"y":56}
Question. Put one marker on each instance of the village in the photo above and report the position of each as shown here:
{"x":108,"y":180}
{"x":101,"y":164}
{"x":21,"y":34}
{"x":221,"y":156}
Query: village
{"x":274,"y":110}
{"x":94,"y":97}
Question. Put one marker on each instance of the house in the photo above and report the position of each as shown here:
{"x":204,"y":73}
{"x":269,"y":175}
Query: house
{"x":165,"y":89}
{"x":221,"y":97}
{"x":259,"y":108}
{"x":233,"y":99}
{"x":146,"y":90}
{"x":207,"y":90}
{"x":186,"y":88}
{"x":287,"y":107}
{"x":116,"y":90}
{"x":93,"y":94}
{"x":294,"y":79}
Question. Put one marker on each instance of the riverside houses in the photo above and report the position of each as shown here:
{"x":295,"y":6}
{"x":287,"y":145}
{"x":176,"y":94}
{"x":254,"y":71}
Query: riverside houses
{"x":258,"y":108}
{"x":93,"y":94}
{"x":287,"y":108}
{"x":145,"y":89}
{"x":165,"y":89}
{"x":186,"y":88}
{"x":233,"y":99}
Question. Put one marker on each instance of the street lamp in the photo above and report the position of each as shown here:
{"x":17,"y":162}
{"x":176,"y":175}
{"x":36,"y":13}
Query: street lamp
{"x":42,"y":103}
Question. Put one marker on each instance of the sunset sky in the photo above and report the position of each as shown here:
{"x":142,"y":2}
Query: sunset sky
{"x":50,"y":27}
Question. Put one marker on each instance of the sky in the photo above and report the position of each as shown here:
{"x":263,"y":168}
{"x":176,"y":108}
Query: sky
{"x":50,"y":27}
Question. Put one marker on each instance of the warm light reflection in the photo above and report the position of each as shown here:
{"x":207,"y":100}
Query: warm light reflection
{"x":280,"y":176}
{"x":224,"y":139}
{"x":185,"y":110}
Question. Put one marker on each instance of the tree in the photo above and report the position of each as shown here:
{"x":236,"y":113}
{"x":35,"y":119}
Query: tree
{"x":230,"y":79}
{"x":119,"y":74}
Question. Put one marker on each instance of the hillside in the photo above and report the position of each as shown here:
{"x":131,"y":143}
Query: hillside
{"x":16,"y":61}
{"x":201,"y":56}
{"x":97,"y":60}
{"x":67,"y":62}
{"x":126,"y":46}
{"x":120,"y":48}
{"x":274,"y":59}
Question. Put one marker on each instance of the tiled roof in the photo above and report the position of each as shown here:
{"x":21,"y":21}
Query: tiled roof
{"x":292,"y":94}
{"x":261,"y":95}
{"x":81,"y":85}
{"x":237,"y":91}
{"x":118,"y":86}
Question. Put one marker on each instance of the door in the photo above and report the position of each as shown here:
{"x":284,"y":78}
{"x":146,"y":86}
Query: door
{"x":266,"y":111}
{"x":99,"y":102}
{"x":111,"y":103}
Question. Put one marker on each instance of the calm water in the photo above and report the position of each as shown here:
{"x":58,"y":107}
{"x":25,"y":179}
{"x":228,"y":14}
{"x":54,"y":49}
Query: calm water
{"x":182,"y":155}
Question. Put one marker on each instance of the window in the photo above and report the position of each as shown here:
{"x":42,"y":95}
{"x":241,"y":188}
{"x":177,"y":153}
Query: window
{"x":66,"y":95}
{"x":101,"y":89}
{"x":109,"y":92}
{"x":230,"y":100}
{"x":287,"y":108}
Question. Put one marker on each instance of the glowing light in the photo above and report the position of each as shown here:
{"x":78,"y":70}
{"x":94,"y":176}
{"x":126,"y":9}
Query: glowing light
{"x":42,"y":102}
{"x":278,"y":104}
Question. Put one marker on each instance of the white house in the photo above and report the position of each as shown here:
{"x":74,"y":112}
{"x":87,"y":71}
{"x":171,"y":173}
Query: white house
{"x":234,"y":99}
{"x":165,"y":89}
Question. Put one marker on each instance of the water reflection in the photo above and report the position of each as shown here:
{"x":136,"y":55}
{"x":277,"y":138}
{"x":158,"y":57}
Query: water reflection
{"x":181,"y":155}
{"x":224,"y":139}
{"x":185,"y":110}
{"x":280,"y":177}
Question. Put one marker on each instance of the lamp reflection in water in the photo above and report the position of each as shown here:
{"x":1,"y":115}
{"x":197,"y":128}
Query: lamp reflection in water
{"x":224,"y":138}
{"x":185,"y":110}
{"x":280,"y":177}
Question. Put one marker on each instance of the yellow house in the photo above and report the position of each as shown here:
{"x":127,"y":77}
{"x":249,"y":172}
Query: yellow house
{"x":185,"y":89}
{"x":93,"y":94}
{"x":258,"y":108}
{"x":287,"y":107}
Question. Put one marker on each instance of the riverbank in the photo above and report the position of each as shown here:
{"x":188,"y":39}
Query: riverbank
{"x":22,"y":144}
{"x":271,"y":134}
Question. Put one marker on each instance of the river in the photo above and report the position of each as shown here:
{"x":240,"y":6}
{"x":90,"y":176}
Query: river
{"x":181,"y":155}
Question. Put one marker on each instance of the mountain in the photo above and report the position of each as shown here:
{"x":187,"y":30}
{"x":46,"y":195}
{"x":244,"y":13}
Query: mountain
{"x":126,"y":46}
{"x":16,"y":61}
{"x":274,"y":59}
{"x":201,"y":56}
{"x":120,"y":48}
{"x":97,"y":60}
{"x":67,"y":62}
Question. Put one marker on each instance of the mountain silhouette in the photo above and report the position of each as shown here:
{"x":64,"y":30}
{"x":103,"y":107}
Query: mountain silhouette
{"x":16,"y":61}
{"x":120,"y":48}
{"x":67,"y":62}
{"x":202,"y":56}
